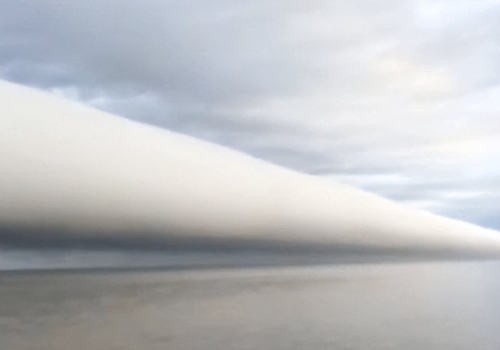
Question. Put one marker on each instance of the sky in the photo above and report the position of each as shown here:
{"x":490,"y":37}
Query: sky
{"x":400,"y":98}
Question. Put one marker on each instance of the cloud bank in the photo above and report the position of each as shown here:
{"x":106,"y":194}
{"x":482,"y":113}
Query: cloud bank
{"x":397,"y":97}
{"x":69,"y":172}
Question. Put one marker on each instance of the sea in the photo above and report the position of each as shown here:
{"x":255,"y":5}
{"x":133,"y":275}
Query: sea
{"x":411,"y":305}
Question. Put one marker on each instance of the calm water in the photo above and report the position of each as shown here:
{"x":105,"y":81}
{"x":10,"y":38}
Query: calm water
{"x":399,"y":306}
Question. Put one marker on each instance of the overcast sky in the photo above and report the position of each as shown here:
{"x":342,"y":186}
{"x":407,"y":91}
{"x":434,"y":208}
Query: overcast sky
{"x":401,"y":98}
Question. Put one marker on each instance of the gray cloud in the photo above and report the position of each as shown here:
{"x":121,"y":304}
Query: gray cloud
{"x":397,"y":97}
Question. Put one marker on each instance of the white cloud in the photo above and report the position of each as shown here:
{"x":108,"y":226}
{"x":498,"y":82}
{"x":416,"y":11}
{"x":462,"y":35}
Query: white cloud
{"x":407,"y":88}
{"x":69,"y":172}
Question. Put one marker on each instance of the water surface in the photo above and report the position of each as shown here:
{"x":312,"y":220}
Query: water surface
{"x":378,"y":306}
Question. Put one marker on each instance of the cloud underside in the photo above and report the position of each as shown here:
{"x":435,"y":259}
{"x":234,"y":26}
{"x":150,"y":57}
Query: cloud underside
{"x":396,"y":97}
{"x":83,"y":178}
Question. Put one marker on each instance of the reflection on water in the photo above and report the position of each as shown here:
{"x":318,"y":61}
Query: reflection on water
{"x":399,"y":306}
